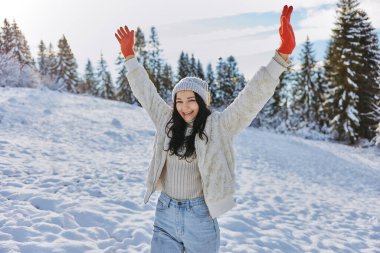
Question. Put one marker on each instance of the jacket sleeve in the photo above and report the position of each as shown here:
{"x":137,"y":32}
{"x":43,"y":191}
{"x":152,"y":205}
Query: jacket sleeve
{"x":146,"y":93}
{"x":240,"y":113}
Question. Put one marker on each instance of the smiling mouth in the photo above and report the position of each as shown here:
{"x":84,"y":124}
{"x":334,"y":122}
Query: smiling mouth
{"x":186,"y":114}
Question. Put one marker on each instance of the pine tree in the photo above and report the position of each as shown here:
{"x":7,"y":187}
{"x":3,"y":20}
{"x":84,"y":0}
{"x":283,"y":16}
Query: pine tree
{"x":229,"y":81}
{"x":14,"y":42}
{"x":9,"y":71}
{"x":105,"y":87}
{"x":6,"y":38}
{"x":308,"y":93}
{"x":374,"y":115}
{"x":321,"y":115}
{"x":14,"y":47}
{"x":140,"y":48}
{"x":342,"y":64}
{"x":51,"y":62}
{"x":221,"y":80}
{"x":155,"y":63}
{"x":1,"y":41}
{"x":65,"y":68}
{"x":193,"y":66}
{"x":200,"y":72}
{"x":123,"y":90}
{"x":20,"y":48}
{"x":162,"y":72}
{"x":9,"y":66}
{"x":189,"y":67}
{"x":89,"y":80}
{"x":44,"y":66}
{"x":276,"y":112}
{"x":167,"y":82}
{"x":184,"y":69}
{"x":42,"y":59}
{"x":210,"y":79}
{"x":377,"y":136}
{"x":237,"y":80}
{"x":368,"y":76}
{"x":154,"y":58}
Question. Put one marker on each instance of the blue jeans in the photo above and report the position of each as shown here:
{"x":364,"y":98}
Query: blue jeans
{"x":184,"y":226}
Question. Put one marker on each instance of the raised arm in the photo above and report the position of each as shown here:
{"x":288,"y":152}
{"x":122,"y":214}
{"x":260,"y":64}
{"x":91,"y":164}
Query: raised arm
{"x":240,"y":113}
{"x":142,"y":87}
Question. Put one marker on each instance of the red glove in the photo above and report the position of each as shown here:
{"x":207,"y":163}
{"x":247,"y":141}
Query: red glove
{"x":126,"y":39}
{"x":288,"y":41}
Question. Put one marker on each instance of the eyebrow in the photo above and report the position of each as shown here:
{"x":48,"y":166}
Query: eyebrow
{"x":187,"y":98}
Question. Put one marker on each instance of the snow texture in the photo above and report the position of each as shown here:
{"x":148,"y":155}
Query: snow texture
{"x":72,"y":174}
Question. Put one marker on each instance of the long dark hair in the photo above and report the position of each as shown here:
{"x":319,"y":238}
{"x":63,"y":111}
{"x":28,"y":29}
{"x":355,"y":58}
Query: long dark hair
{"x":178,"y":130}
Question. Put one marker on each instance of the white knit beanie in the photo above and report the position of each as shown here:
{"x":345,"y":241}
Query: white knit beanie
{"x":195,"y":84}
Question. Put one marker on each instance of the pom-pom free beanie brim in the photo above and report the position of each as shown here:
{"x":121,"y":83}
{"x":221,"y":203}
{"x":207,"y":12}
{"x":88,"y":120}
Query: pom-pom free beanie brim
{"x":195,"y":84}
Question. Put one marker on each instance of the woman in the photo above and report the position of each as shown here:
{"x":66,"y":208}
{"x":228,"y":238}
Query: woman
{"x":193,"y":160}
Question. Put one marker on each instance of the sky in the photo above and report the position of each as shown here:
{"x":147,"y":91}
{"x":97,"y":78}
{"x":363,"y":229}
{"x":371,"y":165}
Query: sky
{"x":248,"y":30}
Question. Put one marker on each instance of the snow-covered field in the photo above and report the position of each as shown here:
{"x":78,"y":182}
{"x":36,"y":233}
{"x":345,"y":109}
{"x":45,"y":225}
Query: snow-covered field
{"x":72,"y":174}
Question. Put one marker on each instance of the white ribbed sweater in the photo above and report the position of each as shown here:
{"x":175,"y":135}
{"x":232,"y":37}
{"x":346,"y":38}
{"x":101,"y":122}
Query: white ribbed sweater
{"x":180,"y":177}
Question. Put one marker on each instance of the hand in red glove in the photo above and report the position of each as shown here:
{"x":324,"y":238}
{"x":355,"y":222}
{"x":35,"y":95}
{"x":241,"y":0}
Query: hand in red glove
{"x":288,"y":41}
{"x":126,"y":39}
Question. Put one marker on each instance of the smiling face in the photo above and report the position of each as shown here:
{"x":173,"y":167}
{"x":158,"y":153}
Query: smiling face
{"x":187,"y":105}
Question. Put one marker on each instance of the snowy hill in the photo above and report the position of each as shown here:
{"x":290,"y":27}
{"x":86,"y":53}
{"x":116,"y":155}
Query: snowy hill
{"x":72,"y":174}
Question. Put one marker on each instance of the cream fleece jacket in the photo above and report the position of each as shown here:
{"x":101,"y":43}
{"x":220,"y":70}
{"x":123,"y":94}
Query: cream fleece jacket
{"x":216,"y":159}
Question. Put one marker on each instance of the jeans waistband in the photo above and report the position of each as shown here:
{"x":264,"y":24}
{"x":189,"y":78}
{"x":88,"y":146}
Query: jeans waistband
{"x":167,"y":201}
